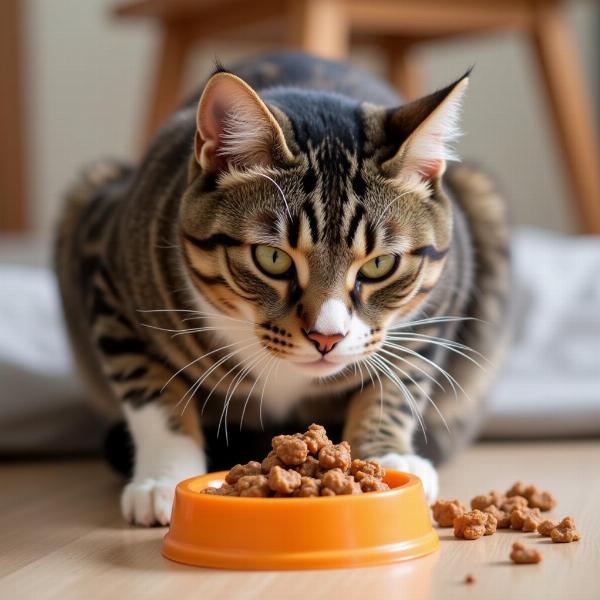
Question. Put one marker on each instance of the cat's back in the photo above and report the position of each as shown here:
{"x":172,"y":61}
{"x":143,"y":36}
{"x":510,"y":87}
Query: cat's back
{"x":297,"y":70}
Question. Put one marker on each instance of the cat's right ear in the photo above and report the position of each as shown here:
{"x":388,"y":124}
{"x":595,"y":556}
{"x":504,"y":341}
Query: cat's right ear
{"x":235,"y":127}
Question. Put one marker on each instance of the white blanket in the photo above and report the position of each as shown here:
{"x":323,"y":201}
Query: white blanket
{"x":551,"y":384}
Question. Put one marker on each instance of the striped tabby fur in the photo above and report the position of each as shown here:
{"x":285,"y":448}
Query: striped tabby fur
{"x":175,"y":325}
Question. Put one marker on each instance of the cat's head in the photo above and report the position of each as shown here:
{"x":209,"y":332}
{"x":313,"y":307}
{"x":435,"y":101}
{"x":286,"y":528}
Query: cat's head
{"x":313,"y":222}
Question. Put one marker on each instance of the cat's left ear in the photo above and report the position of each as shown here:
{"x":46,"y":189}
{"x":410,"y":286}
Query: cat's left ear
{"x":426,"y":127}
{"x":235,"y":127}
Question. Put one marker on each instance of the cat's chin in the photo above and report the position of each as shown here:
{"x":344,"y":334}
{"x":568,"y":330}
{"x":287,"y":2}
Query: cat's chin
{"x":319,"y":368}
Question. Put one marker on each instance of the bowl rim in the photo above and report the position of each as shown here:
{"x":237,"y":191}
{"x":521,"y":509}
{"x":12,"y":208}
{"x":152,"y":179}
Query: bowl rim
{"x":183,"y":488}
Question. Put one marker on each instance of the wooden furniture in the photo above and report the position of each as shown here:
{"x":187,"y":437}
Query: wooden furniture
{"x":63,"y":538}
{"x":12,"y":115}
{"x":328,"y":27}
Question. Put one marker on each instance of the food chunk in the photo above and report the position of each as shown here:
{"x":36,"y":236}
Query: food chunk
{"x":502,"y":517}
{"x":370,"y":483}
{"x":284,"y":481}
{"x":545,"y":527}
{"x":522,"y":555}
{"x":269,"y":462}
{"x":525,"y":519}
{"x":475,"y":524}
{"x":494,"y":498}
{"x":290,"y":450}
{"x":445,"y":511}
{"x":336,"y":482}
{"x":362,"y":468}
{"x":535,"y":498}
{"x":253,"y":486}
{"x":250,"y":468}
{"x":308,"y":468}
{"x":514,"y":502}
{"x":336,"y":456}
{"x":308,"y":487}
{"x":566,"y":532}
{"x":316,"y":438}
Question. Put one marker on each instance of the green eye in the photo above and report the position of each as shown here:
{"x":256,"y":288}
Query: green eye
{"x":272,"y":261}
{"x":379,"y":267}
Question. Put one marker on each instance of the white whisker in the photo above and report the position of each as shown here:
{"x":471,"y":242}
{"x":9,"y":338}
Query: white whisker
{"x":267,"y":362}
{"x":287,"y":207}
{"x":416,"y":383}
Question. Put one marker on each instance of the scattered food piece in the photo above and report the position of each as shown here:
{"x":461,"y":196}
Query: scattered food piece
{"x":565,"y":532}
{"x":545,"y":527}
{"x":303,"y":465}
{"x":502,"y":517}
{"x":520,"y":516}
{"x":514,"y":502}
{"x":445,"y":511}
{"x":522,"y":555}
{"x":493,"y":498}
{"x":473,"y":525}
{"x":470,"y":579}
{"x":535,"y":499}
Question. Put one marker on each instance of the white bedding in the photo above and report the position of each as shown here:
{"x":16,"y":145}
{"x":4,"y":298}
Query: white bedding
{"x":550,"y":386}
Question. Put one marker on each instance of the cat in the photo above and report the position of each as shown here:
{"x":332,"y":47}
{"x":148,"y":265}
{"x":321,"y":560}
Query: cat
{"x":292,"y":248}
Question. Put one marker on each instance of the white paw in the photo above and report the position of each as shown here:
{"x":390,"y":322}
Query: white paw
{"x":417,"y":465}
{"x":148,"y":501}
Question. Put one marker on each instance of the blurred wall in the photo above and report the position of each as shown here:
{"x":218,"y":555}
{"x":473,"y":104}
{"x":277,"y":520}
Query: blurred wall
{"x":89,"y":77}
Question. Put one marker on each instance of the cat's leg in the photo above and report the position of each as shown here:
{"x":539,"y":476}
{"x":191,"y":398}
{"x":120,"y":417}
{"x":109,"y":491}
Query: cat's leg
{"x":381,"y":423}
{"x":168,"y":446}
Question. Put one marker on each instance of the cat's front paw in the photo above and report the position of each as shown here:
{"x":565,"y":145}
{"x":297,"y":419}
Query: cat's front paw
{"x":148,"y":501}
{"x":417,"y":465}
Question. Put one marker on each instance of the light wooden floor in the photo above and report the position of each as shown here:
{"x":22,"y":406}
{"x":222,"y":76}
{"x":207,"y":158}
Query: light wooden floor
{"x":61,"y":536}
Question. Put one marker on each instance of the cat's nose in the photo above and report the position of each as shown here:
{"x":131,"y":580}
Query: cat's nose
{"x":324,"y":343}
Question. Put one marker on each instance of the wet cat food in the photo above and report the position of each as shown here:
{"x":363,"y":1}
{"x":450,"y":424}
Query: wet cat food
{"x":304,"y":465}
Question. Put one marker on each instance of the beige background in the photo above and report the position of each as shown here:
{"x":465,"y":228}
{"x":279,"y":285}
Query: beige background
{"x":88,"y":77}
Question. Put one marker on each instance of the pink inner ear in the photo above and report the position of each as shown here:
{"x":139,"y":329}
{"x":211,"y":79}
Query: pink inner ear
{"x":431,"y":169}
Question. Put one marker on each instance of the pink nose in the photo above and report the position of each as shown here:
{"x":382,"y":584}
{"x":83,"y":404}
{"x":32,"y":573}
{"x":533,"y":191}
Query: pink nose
{"x":324,"y":343}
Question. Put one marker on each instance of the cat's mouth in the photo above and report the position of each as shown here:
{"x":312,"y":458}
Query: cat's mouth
{"x":320,"y":367}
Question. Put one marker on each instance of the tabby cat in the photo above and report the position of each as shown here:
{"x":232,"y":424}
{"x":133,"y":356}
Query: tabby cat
{"x":291,"y":249}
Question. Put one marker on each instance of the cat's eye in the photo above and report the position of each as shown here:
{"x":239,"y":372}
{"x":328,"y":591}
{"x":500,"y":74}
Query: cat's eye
{"x":378,"y":268}
{"x":272,"y":261}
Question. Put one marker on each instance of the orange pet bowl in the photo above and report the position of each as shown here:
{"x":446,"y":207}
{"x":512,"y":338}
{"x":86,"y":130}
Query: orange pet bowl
{"x":299,"y":533}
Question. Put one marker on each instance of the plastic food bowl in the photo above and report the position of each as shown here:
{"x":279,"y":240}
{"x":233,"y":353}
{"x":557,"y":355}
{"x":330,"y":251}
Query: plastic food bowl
{"x":299,"y":533}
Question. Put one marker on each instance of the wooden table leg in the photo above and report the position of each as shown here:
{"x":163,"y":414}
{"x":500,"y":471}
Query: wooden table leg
{"x":573,"y":115}
{"x":13,"y":209}
{"x":320,"y":27}
{"x":169,"y":76}
{"x":403,"y":68}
